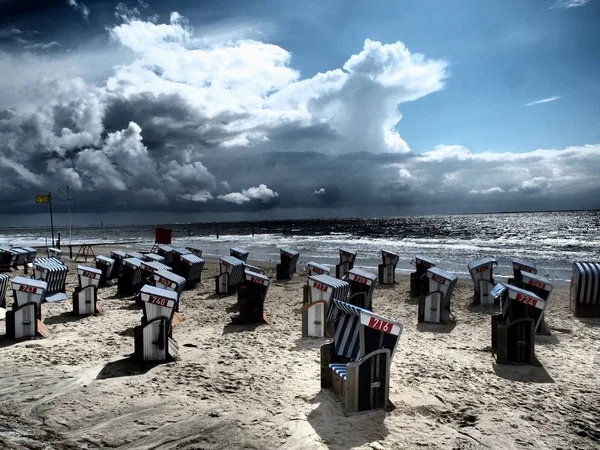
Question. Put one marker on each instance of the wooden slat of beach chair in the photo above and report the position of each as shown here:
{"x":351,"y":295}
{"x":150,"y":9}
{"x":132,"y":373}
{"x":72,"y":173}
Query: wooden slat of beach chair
{"x":313,"y":319}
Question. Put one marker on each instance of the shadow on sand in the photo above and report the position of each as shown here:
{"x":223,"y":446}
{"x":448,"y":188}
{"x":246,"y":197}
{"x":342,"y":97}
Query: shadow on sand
{"x":308,"y":343}
{"x":233,"y":328}
{"x":488,"y":310}
{"x":65,"y":317}
{"x":522,"y":373}
{"x":436,"y":328}
{"x":327,"y":419}
{"x":125,"y":367}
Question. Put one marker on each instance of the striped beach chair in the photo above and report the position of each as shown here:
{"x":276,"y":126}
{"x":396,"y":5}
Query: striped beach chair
{"x":230,"y":276}
{"x":482,"y":274}
{"x":319,"y":291}
{"x":287,"y":267}
{"x":419,"y":285}
{"x":362,"y":286}
{"x":435,"y":306}
{"x":153,"y":338}
{"x":130,"y":278}
{"x":251,"y":295}
{"x":85,"y":296}
{"x":190,"y":267}
{"x":54,"y":272}
{"x":25,"y":318}
{"x":513,"y":330}
{"x":239,"y":253}
{"x":313,"y":268}
{"x":585,"y":289}
{"x":4,"y":280}
{"x":355,"y":365}
{"x":347,"y":258}
{"x":387,"y":269}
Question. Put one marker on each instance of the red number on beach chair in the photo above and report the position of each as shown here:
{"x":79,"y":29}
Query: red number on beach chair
{"x":379,"y":324}
{"x":537,"y":284}
{"x":320,"y":286}
{"x":158,"y":300}
{"x":28,"y":289}
{"x":89,"y":274}
{"x":526,"y":299}
{"x":361,"y":280}
{"x":162,"y":280}
{"x":437,"y":278}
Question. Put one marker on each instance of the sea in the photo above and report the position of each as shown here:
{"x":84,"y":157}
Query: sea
{"x":552,"y":240}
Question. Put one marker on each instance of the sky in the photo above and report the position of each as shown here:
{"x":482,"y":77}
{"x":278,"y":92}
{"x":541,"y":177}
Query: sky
{"x":284,"y":109}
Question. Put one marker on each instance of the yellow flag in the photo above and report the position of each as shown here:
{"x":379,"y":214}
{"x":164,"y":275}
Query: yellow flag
{"x":42,"y":199}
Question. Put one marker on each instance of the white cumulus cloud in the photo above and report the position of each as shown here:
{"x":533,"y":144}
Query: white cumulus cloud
{"x":261,"y":193}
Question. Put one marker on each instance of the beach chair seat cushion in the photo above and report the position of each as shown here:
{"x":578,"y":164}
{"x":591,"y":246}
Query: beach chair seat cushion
{"x":340,"y":369}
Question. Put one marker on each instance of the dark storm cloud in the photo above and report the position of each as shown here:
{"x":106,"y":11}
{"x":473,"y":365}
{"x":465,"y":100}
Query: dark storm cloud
{"x":199,"y":125}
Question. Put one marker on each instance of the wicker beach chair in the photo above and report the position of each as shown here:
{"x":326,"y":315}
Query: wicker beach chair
{"x":239,"y":253}
{"x":7,"y":258}
{"x":190,"y":267}
{"x":118,"y":256}
{"x":25,"y":318}
{"x":251,"y":295}
{"x":347,"y":259}
{"x":21,"y":257}
{"x":387,"y":269}
{"x":519,"y":266}
{"x":355,"y":365}
{"x":435,"y":306}
{"x":313,"y":268}
{"x":153,"y":338}
{"x":513,"y":330}
{"x":319,"y":291}
{"x":230,"y":276}
{"x":585,"y":289}
{"x":419,"y":285}
{"x":541,"y":287}
{"x":130,"y":277}
{"x":85,"y":296}
{"x":482,"y":274}
{"x":287,"y":267}
{"x":54,"y":272}
{"x":362,"y":286}
{"x":4,"y":281}
{"x":105,"y":265}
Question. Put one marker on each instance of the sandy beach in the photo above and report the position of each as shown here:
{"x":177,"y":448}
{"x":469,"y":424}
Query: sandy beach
{"x":257,"y":387}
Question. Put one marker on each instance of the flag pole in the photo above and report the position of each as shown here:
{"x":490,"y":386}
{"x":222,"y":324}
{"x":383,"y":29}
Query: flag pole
{"x":51,"y":219}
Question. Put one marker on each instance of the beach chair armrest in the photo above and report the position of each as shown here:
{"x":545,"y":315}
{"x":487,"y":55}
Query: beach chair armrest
{"x":367,"y":381}
{"x":326,"y":357}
